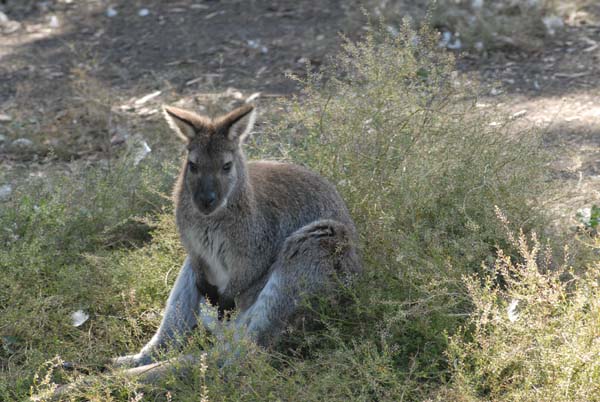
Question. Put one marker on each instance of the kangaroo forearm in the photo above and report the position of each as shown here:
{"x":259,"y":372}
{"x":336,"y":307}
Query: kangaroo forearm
{"x":180,"y":312}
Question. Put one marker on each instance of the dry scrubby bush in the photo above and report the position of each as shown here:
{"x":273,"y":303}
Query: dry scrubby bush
{"x":535,"y":336}
{"x":393,"y":125}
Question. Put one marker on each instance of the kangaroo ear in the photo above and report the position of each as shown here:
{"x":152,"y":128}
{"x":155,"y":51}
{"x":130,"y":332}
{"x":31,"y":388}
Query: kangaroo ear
{"x":185,"y":123}
{"x":238,"y":123}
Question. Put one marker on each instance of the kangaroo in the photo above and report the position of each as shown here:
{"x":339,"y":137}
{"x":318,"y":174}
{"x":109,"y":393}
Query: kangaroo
{"x":260,"y":236}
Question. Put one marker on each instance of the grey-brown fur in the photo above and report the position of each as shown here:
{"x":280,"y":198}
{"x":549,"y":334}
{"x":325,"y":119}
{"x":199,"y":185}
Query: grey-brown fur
{"x":260,"y":236}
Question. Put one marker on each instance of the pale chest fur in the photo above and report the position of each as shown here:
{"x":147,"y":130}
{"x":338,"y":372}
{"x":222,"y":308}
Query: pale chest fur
{"x":213,"y":248}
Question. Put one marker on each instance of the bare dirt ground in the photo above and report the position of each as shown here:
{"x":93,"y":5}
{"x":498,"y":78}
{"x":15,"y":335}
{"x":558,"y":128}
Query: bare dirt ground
{"x":75,"y":76}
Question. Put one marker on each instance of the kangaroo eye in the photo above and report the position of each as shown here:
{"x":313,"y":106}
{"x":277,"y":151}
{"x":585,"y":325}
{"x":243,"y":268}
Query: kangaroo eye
{"x":227,"y":166}
{"x":193,"y":167}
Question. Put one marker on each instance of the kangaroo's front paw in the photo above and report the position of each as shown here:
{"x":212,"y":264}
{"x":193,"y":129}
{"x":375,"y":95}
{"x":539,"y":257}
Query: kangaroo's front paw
{"x":132,"y":360}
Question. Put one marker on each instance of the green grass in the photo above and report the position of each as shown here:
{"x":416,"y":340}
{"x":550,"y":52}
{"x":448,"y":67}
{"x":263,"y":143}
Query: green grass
{"x":393,"y":125}
{"x":66,"y":242}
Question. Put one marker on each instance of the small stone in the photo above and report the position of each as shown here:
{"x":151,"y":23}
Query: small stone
{"x":144,"y":12}
{"x":141,"y":152}
{"x":79,"y":317}
{"x":456,"y":45}
{"x":4,"y":118}
{"x":5,"y":192}
{"x":54,"y":23}
{"x":22,"y":143}
{"x":553,"y":23}
{"x":477,"y":4}
{"x":111,"y":12}
{"x":445,"y":39}
{"x":511,"y":311}
{"x":138,"y":148}
{"x":2,"y":139}
{"x":10,"y":27}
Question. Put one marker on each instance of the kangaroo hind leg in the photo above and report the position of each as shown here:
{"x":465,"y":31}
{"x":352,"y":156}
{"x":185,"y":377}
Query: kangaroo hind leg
{"x":307,"y":265}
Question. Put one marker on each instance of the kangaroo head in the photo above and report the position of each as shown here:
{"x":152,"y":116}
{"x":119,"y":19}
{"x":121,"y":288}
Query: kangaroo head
{"x":215,"y":163}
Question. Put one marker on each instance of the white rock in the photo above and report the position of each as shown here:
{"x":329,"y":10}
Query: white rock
{"x":79,"y":317}
{"x":4,"y":118}
{"x":22,"y":143}
{"x":456,"y":45}
{"x":54,"y":23}
{"x":10,"y":26}
{"x":552,"y":23}
{"x":446,"y":37}
{"x":2,"y":139}
{"x":144,"y":12}
{"x":141,"y":149}
{"x":511,"y":310}
{"x":392,"y":30}
{"x":5,"y":192}
{"x":111,"y":12}
{"x":3,"y":18}
{"x":477,"y":4}
{"x":585,"y":216}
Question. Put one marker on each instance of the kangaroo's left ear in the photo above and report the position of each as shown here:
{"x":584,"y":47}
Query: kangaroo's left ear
{"x":238,"y":123}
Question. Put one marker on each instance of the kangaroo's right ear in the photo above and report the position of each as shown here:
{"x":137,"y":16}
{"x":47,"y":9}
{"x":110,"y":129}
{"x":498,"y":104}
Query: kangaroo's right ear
{"x":185,"y":123}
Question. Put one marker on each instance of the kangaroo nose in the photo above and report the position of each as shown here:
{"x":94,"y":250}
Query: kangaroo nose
{"x":209,"y":199}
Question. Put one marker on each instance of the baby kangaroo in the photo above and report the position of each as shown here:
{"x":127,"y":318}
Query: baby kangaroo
{"x":260,"y":236}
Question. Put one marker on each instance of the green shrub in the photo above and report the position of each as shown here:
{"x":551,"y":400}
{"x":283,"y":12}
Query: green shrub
{"x":535,"y":338}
